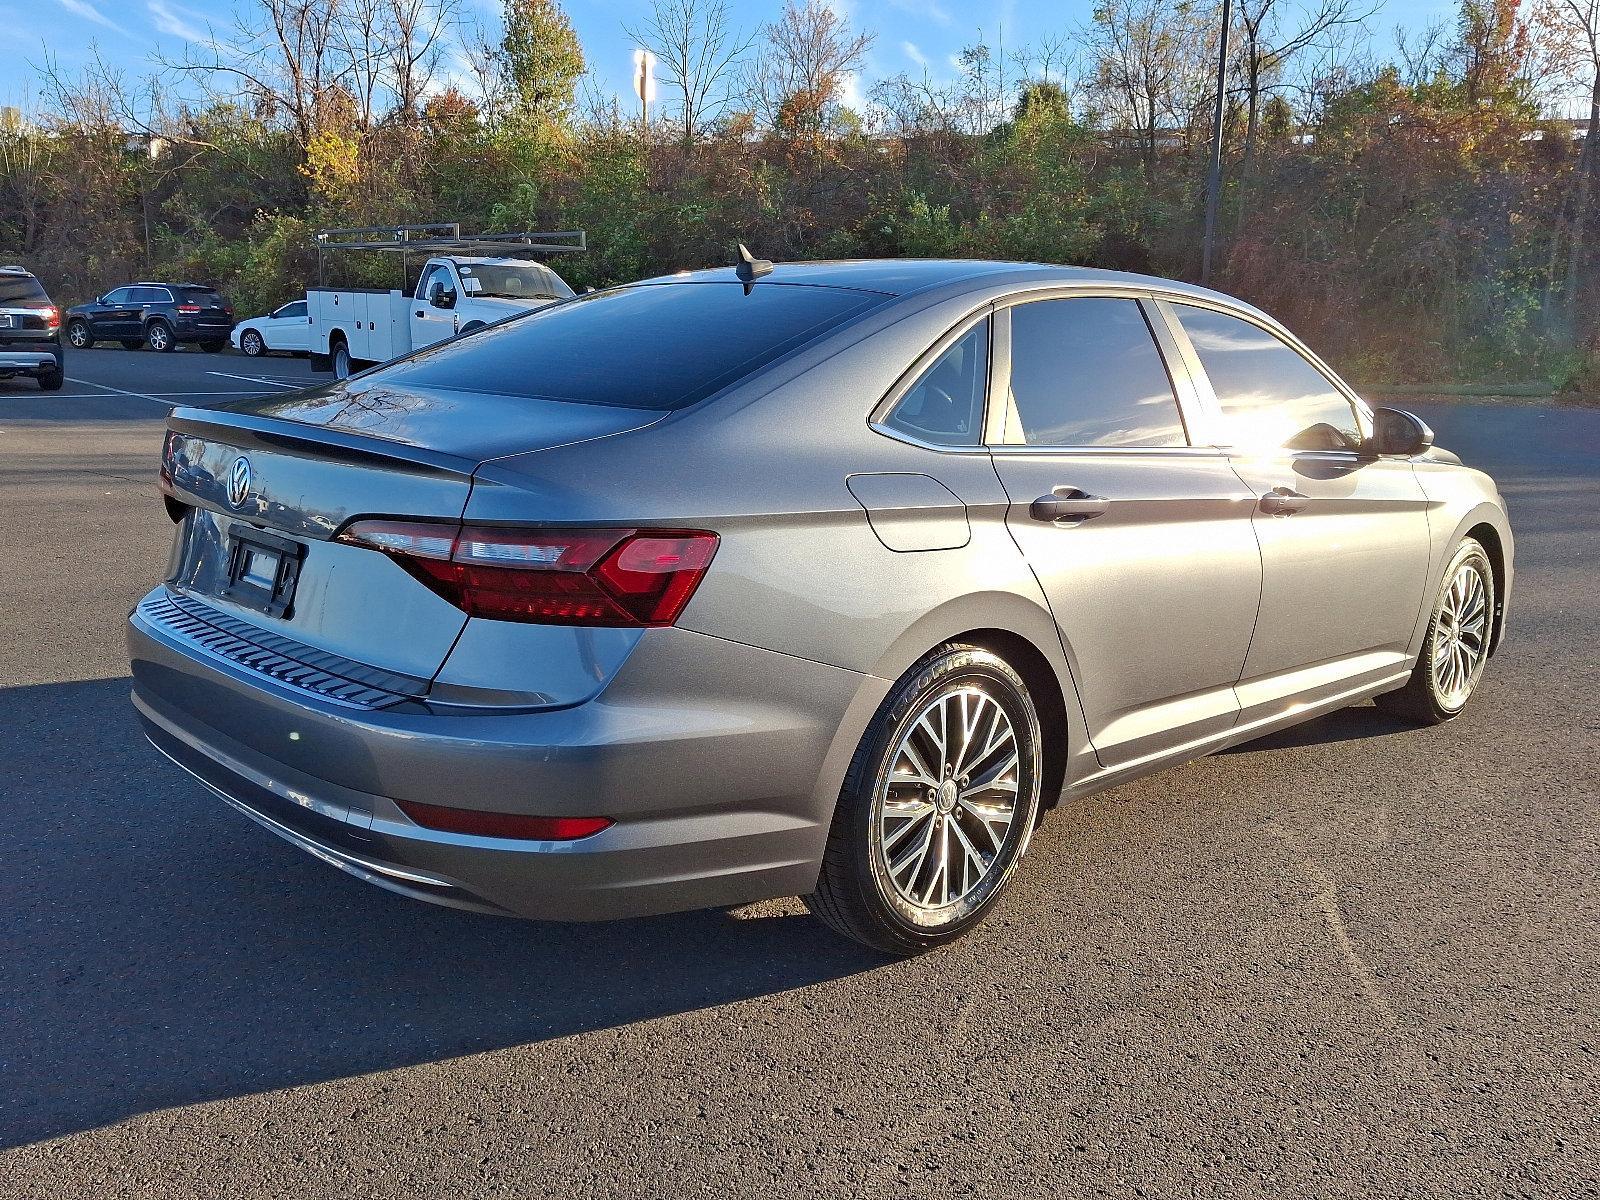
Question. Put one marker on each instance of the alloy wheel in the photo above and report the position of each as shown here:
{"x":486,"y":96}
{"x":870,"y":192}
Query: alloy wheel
{"x":252,"y":344}
{"x":78,"y":335}
{"x":158,"y":337}
{"x":949,"y":799}
{"x":1460,"y":636}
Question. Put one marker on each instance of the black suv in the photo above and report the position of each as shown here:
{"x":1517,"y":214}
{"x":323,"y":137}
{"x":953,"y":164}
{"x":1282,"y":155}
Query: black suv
{"x":159,"y":315}
{"x":30,"y":330}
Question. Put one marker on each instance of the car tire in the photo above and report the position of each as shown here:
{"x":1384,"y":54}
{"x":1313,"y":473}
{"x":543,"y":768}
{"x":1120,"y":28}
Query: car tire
{"x":79,"y":335}
{"x":132,"y":344}
{"x":252,"y":344}
{"x":158,"y":336}
{"x":913,"y":861}
{"x":51,"y":381}
{"x":1456,"y":646}
{"x":343,"y":366}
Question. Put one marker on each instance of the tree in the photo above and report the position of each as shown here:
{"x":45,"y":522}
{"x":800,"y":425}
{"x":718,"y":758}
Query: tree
{"x":1146,"y":65}
{"x":809,"y":54}
{"x":1576,"y":25}
{"x":698,"y":51}
{"x":541,"y":62}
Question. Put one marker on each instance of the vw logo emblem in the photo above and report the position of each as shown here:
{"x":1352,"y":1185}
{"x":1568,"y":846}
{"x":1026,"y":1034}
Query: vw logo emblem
{"x":239,"y":482}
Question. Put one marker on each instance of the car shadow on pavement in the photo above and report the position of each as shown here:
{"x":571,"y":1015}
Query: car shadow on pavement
{"x":1342,"y":725}
{"x":161,"y":950}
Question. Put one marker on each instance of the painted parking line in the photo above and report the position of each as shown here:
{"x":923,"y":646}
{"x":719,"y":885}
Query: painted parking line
{"x":257,"y":379}
{"x":118,"y":391}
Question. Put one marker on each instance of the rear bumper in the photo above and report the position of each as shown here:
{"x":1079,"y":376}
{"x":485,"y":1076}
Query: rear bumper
{"x":14,"y":360}
{"x":718,"y":763}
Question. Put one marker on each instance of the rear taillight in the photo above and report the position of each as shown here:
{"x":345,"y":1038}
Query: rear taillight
{"x":52,"y":317}
{"x":502,"y":825}
{"x":618,"y":577}
{"x":189,"y":309}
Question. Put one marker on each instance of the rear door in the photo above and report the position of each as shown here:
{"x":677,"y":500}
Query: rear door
{"x":1343,"y":535}
{"x":1141,"y":541}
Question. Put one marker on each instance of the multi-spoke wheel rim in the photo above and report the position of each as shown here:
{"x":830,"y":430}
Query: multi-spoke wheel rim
{"x":949,"y":799}
{"x":79,"y":336}
{"x":158,"y":337}
{"x":1460,"y":636}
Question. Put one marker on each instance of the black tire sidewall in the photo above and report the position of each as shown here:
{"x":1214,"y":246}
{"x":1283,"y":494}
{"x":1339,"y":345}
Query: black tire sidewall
{"x":945,"y":669}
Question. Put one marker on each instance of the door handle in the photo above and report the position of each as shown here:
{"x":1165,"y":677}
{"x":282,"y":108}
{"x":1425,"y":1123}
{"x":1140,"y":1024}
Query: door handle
{"x":1068,"y":506}
{"x":421,"y":313}
{"x":1283,"y":502}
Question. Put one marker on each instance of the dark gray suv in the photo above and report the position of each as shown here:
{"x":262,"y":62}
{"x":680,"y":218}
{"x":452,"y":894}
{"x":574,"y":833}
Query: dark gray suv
{"x":30,"y":330}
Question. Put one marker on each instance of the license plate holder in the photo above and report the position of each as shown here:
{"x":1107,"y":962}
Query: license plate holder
{"x":263,"y":569}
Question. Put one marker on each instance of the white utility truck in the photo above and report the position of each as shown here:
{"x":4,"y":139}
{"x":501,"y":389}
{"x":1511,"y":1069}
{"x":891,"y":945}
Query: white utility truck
{"x":465,"y":283}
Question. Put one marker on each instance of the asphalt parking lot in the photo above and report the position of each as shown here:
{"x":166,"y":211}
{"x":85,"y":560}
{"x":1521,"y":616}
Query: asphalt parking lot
{"x":1352,"y":958}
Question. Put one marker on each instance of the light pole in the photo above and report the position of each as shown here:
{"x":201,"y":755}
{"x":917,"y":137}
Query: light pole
{"x":644,"y":83}
{"x":1214,"y":176}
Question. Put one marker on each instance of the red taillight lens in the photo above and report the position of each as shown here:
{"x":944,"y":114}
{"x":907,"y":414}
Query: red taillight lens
{"x":614,"y":577}
{"x":189,"y":309}
{"x":52,"y":317}
{"x":502,"y":825}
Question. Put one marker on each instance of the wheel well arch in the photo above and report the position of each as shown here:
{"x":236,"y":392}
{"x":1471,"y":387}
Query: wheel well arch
{"x":335,"y":336}
{"x":1043,"y":685}
{"x":1487,"y":536}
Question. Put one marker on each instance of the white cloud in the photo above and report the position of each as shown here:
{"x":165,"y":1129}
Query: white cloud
{"x":914,"y":53}
{"x":932,"y":10}
{"x":178,"y":22}
{"x":82,"y":8}
{"x":850,"y":94}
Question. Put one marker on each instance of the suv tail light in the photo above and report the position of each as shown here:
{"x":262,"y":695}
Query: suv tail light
{"x":188,"y":309}
{"x":52,"y":317}
{"x":614,"y":577}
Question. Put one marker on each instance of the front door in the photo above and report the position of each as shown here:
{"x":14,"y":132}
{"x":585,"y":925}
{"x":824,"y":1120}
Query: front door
{"x":116,"y":316}
{"x":1141,"y":542}
{"x":1343,"y":535}
{"x":430,"y":324}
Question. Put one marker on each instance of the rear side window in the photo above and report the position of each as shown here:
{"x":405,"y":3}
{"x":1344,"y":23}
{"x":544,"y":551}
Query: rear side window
{"x":1270,"y":396}
{"x":945,"y":406}
{"x":1087,"y":372}
{"x":151,"y":295}
{"x":657,"y":346}
{"x":21,"y":289}
{"x":297,"y":309}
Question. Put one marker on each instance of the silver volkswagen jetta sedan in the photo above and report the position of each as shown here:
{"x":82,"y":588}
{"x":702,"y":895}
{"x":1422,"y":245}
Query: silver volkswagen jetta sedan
{"x":827,"y":579}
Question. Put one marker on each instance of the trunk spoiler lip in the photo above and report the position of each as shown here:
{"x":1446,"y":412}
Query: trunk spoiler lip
{"x":252,"y":432}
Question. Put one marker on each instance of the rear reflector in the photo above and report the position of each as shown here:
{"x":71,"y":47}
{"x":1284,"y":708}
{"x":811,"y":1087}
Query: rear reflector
{"x":502,"y":825}
{"x":612,"y":577}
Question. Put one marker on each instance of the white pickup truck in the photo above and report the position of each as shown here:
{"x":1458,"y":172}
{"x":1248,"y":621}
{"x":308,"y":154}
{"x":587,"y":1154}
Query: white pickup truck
{"x":350,"y":329}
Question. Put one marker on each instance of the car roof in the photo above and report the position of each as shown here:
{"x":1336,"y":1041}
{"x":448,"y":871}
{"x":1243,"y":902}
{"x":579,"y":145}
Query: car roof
{"x":159,"y":283}
{"x":904,"y":276}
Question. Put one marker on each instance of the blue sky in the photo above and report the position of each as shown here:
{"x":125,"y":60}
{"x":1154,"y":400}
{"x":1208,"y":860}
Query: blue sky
{"x":909,"y":32}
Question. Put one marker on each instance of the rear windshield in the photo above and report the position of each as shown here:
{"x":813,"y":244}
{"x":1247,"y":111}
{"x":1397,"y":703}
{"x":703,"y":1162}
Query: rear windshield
{"x":200,"y":295}
{"x":657,"y":346}
{"x":21,"y":289}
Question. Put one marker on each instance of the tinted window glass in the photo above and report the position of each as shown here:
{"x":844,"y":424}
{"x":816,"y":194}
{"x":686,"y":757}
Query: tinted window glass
{"x":656,"y":346}
{"x":1087,"y":373}
{"x":945,"y":406}
{"x":151,"y":295}
{"x":200,"y":295}
{"x":1270,"y":396}
{"x":21,"y":289}
{"x":297,"y":309}
{"x":120,"y":296}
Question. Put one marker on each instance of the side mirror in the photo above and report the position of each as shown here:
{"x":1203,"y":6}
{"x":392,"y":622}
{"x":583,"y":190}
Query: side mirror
{"x":1395,"y":431}
{"x":443,"y":297}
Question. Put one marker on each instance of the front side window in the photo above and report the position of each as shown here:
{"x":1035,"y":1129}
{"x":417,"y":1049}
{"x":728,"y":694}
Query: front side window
{"x":291,"y":311}
{"x":945,"y":406}
{"x":1087,"y":372}
{"x":436,"y":279}
{"x":1270,"y":396}
{"x":120,"y":296}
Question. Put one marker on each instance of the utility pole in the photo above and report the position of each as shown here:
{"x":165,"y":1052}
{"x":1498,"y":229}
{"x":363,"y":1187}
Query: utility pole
{"x":1214,"y":176}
